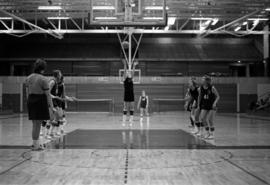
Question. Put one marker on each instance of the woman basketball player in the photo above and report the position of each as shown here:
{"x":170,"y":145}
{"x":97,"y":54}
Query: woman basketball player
{"x":57,"y":103}
{"x":128,"y":92}
{"x":143,"y":104}
{"x":62,"y":102}
{"x":192,"y":100}
{"x":208,"y":99}
{"x":39,"y":101}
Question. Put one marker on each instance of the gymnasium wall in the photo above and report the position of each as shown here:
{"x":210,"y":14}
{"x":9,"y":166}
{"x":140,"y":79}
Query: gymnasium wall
{"x":236,"y":93}
{"x":100,"y":55}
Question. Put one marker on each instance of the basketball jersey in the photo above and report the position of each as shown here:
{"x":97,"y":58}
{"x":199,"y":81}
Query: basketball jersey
{"x":143,"y":102}
{"x":207,"y":98}
{"x":129,"y":90}
{"x":194,"y":93}
{"x":54,"y":90}
{"x":128,"y":84}
{"x":60,"y":91}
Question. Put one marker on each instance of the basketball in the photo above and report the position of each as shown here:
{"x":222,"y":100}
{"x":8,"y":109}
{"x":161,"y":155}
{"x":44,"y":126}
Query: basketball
{"x":125,"y":44}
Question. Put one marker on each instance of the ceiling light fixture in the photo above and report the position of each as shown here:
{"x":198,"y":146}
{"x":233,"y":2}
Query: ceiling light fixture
{"x":167,"y":28}
{"x":6,"y":18}
{"x":154,"y":8}
{"x":58,"y":18}
{"x":105,"y":18}
{"x":258,"y":19}
{"x":49,"y":8}
{"x":103,"y":8}
{"x":201,"y":18}
{"x":215,"y":21}
{"x":153,"y":18}
{"x":237,"y":28}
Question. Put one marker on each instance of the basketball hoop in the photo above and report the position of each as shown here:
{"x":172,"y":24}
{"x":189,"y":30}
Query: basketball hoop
{"x":136,"y":77}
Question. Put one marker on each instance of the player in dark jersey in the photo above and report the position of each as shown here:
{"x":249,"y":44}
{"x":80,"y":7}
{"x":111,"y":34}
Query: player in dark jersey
{"x":208,"y":99}
{"x":143,"y":104}
{"x":55,"y":123}
{"x":129,"y":97}
{"x":62,"y":103}
{"x":191,"y":101}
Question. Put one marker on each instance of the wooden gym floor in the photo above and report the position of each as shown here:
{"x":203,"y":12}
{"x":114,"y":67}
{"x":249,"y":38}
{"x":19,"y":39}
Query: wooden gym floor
{"x":98,"y":149}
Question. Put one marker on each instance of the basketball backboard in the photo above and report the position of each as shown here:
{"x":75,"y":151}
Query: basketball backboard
{"x":128,"y":13}
{"x":136,"y":78}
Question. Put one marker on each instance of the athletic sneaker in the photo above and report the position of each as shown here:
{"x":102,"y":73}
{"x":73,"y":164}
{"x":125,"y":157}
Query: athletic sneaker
{"x":64,"y":120}
{"x":52,"y":135}
{"x":48,"y":137}
{"x":207,"y":135}
{"x":57,"y":134}
{"x":211,"y":136}
{"x":199,"y":133}
{"x":195,"y":130}
{"x":40,"y":148}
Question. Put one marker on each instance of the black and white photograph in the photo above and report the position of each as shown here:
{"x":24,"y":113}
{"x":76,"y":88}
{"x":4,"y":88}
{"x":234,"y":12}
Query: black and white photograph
{"x":134,"y":92}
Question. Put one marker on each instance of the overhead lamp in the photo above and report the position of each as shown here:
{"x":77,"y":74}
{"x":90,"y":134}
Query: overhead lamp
{"x":237,"y":28}
{"x":204,"y":25}
{"x":105,"y":18}
{"x":6,"y":18}
{"x":207,"y":22}
{"x":245,"y":23}
{"x":103,"y":8}
{"x":171,"y":20}
{"x":153,"y":18}
{"x":215,"y":21}
{"x":58,"y":18}
{"x":256,"y":22}
{"x":267,"y":9}
{"x":201,"y":18}
{"x":49,"y":8}
{"x":258,"y":19}
{"x":154,"y":8}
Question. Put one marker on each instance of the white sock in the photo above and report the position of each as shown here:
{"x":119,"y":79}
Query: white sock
{"x":61,"y":127}
{"x":124,"y":118}
{"x":36,"y":143}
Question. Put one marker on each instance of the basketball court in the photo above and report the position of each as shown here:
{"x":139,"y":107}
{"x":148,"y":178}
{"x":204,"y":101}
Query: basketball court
{"x":91,"y":41}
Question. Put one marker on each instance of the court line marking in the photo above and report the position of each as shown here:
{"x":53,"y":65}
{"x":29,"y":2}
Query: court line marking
{"x":229,"y":156}
{"x":126,"y":168}
{"x":12,"y":116}
{"x":24,"y":159}
{"x":244,"y":170}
